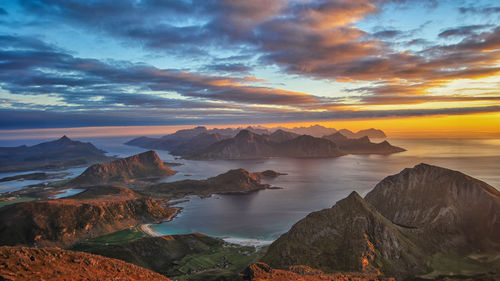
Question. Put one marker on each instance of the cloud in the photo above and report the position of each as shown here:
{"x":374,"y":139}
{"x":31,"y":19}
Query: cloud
{"x":480,"y":10}
{"x":466,"y":30}
{"x":36,"y":68}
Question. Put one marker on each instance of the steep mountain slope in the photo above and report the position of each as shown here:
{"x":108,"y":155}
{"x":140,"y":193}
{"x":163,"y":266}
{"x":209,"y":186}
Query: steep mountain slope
{"x":350,"y":236}
{"x":233,"y":181}
{"x":307,"y":146}
{"x":141,"y":166}
{"x":424,"y":221}
{"x":61,"y":153}
{"x":281,"y":136}
{"x":61,"y":222}
{"x":245,"y":145}
{"x":21,"y":263}
{"x":458,"y":211}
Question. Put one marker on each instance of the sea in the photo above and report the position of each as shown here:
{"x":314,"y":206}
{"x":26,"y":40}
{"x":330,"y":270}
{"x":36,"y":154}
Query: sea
{"x":309,"y":185}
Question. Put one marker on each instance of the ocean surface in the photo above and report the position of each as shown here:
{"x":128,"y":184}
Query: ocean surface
{"x":310,"y":184}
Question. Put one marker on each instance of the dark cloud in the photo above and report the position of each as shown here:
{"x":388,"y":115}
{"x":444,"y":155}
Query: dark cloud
{"x":466,"y":30}
{"x":230,"y":68}
{"x":35,"y":68}
{"x":387,"y":34}
{"x":479,"y":10}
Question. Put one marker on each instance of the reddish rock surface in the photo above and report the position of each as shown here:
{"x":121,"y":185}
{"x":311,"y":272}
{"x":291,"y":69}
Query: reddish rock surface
{"x":262,"y":272}
{"x":22,"y":263}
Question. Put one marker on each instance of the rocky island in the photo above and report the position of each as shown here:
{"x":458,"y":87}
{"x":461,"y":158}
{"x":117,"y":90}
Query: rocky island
{"x":237,"y":181}
{"x":138,"y":168}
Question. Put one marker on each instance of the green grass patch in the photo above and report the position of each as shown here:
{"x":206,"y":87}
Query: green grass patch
{"x":453,"y":264}
{"x":226,"y":260}
{"x":17,"y":200}
{"x":112,"y":238}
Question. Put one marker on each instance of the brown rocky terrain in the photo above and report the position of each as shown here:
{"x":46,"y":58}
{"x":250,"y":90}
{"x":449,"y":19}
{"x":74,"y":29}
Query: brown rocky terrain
{"x":231,"y":182}
{"x":140,"y":167}
{"x":425,"y":221}
{"x":62,"y":222}
{"x":22,"y":263}
{"x":262,"y":272}
{"x":349,"y":237}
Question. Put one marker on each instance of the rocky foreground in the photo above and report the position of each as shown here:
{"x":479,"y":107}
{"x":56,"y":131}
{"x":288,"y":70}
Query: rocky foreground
{"x":62,"y":222}
{"x":262,"y":272}
{"x":21,"y":263}
{"x":425,"y":221}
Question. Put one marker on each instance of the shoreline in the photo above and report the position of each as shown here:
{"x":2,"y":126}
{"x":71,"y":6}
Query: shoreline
{"x":146,"y":227}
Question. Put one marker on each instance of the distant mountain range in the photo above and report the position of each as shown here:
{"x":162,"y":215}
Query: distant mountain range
{"x":423,"y":221}
{"x":252,"y":143}
{"x":53,"y":155}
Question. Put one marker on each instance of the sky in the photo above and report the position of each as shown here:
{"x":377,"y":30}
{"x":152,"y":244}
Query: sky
{"x":423,"y":66}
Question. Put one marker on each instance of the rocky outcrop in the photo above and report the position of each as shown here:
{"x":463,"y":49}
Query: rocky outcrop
{"x":143,"y":166}
{"x":406,"y":221}
{"x":96,"y":211}
{"x":231,"y":182}
{"x":59,"y":154}
{"x":260,"y":271}
{"x":21,"y":263}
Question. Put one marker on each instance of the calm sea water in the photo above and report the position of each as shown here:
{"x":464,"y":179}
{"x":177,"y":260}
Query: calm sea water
{"x":310,"y":184}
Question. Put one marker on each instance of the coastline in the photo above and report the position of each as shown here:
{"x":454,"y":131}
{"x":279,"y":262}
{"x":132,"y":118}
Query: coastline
{"x":149,"y":231}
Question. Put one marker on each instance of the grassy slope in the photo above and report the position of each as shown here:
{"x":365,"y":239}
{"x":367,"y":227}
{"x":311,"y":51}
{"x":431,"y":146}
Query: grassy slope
{"x":180,"y":257}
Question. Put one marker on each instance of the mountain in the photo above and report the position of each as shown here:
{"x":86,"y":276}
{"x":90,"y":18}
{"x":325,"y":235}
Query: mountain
{"x":371,"y":133}
{"x":184,"y":142}
{"x":425,"y":221}
{"x":248,"y":145}
{"x":308,"y":147}
{"x":281,"y":136}
{"x":362,"y":145}
{"x":61,"y":222}
{"x":58,"y":154}
{"x":231,"y":182}
{"x":194,"y":144}
{"x":456,"y":210}
{"x":260,"y":271}
{"x":314,"y":130}
{"x":22,"y":263}
{"x":350,"y":236}
{"x":245,"y":145}
{"x":143,"y":166}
